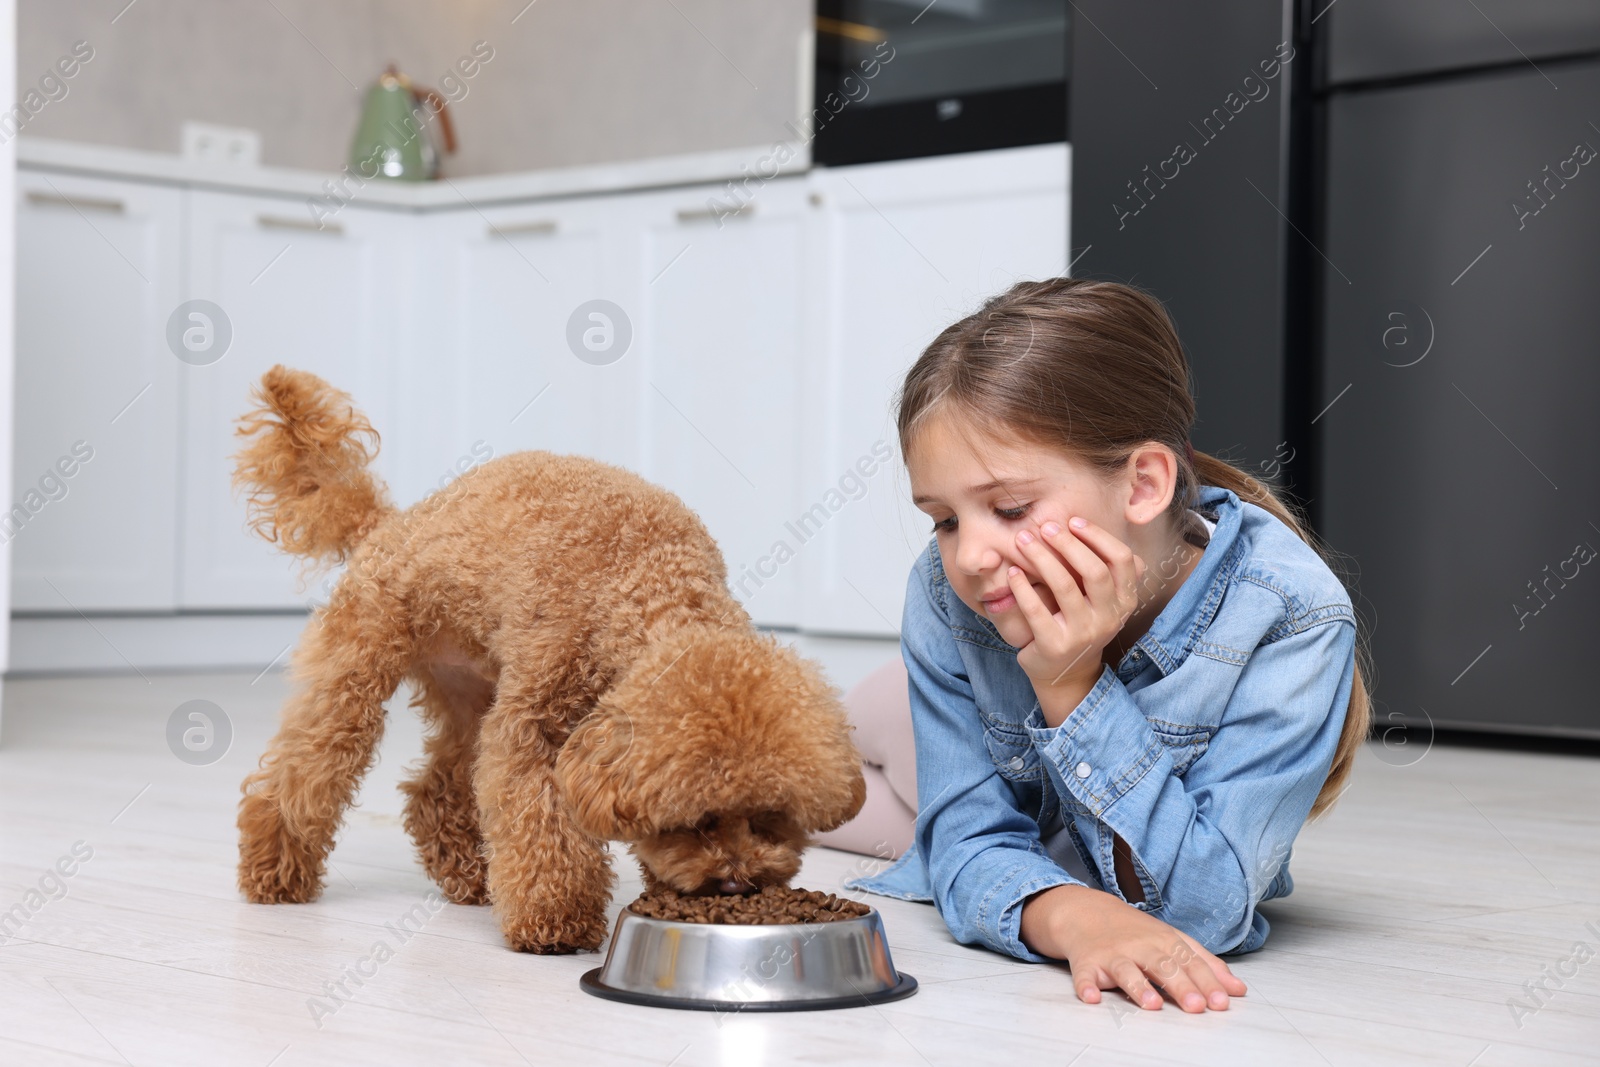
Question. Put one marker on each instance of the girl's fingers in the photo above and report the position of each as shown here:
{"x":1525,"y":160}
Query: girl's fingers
{"x":1181,"y":988}
{"x":1210,"y":986}
{"x":1107,"y":558}
{"x":1082,"y":557}
{"x":1190,"y":982}
{"x":1034,"y":612}
{"x":1231,"y":983}
{"x":1091,"y":981}
{"x":1132,"y":979}
{"x":1100,"y":588}
{"x":1053,"y":571}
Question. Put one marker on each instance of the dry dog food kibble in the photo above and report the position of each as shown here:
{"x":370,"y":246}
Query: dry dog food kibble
{"x":772,"y":905}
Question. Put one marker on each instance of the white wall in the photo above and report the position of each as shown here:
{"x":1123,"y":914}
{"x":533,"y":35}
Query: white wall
{"x":8,"y":170}
{"x":570,"y":82}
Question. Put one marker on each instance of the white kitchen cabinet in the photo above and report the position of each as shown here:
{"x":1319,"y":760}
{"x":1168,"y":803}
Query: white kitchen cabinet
{"x":494,"y":371}
{"x":97,"y":276}
{"x":695,"y":374}
{"x":724,"y":327}
{"x":335,"y":302}
{"x":753,"y":361}
{"x":910,"y":247}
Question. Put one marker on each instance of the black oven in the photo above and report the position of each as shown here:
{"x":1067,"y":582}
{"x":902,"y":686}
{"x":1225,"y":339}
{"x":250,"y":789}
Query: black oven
{"x":903,"y":78}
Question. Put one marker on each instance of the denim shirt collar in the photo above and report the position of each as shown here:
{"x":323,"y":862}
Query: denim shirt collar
{"x":1193,"y":606}
{"x":1196,"y":601}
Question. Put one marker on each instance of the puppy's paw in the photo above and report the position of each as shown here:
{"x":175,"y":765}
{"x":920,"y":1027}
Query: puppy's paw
{"x":457,"y":868}
{"x":268,"y":888}
{"x":555,"y":934}
{"x":274,"y":866}
{"x":463,"y":888}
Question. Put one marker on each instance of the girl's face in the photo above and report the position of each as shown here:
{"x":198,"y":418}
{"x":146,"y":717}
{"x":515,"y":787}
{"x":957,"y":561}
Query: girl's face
{"x":979,"y":503}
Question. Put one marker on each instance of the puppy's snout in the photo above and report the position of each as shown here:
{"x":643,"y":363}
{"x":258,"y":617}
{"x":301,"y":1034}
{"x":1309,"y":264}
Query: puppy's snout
{"x":732,"y":886}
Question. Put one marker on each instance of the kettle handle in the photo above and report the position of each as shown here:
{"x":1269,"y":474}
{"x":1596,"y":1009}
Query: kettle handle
{"x":436,"y":103}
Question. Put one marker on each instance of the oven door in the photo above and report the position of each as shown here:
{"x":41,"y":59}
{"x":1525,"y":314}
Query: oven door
{"x":897,"y":79}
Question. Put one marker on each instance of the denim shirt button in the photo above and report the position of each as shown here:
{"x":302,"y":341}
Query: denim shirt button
{"x":1017,"y":763}
{"x":1081,"y":770}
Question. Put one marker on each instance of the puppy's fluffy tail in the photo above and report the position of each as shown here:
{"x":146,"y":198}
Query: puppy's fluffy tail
{"x":310,"y":491}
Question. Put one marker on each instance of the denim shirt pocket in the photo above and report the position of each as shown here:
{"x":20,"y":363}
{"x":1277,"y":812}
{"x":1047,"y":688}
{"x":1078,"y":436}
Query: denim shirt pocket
{"x":1016,"y":759}
{"x":1185,"y":742}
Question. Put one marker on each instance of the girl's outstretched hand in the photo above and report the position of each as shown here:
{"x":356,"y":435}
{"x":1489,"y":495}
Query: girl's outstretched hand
{"x":1067,"y":644}
{"x":1110,"y":944}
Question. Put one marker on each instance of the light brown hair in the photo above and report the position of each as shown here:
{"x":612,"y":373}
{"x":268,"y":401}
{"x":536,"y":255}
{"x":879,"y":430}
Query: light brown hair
{"x":1094,"y":370}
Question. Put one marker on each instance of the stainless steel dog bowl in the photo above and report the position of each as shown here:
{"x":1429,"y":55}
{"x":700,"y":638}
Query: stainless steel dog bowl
{"x":738,"y":967}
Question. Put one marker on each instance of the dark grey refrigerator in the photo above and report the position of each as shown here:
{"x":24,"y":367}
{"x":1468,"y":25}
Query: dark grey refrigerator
{"x":1418,"y":315}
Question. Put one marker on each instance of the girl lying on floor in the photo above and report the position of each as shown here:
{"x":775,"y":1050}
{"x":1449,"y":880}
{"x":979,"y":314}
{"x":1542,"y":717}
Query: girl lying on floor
{"x":1128,"y":674}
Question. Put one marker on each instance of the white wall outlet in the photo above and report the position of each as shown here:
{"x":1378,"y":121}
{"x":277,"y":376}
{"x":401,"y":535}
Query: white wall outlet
{"x":221,"y":144}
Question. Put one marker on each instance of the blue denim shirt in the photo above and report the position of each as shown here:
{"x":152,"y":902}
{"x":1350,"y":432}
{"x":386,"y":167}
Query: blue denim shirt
{"x":1204,"y":749}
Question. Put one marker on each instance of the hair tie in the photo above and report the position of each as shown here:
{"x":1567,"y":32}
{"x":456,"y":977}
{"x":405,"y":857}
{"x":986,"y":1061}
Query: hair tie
{"x":1188,"y":447}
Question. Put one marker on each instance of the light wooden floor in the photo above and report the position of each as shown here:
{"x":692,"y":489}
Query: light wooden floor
{"x":1422,"y":905}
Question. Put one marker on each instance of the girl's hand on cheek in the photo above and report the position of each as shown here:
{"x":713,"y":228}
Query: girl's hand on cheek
{"x":1067,"y":644}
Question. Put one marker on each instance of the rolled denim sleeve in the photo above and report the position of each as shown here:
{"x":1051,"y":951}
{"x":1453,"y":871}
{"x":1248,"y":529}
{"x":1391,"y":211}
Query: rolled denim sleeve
{"x":1207,"y":846}
{"x":983,"y":855}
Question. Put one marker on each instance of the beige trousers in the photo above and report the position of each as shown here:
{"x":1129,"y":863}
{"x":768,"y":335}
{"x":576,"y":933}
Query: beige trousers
{"x":879,"y":707}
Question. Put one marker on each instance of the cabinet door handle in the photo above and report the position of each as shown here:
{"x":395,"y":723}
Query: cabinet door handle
{"x":541,"y":227}
{"x":82,"y":203}
{"x":704,"y":214}
{"x":280,"y":222}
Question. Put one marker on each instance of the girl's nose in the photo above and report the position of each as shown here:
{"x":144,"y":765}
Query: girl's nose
{"x":974,"y":556}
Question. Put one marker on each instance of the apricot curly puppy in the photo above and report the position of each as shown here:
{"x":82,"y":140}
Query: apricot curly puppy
{"x":582,"y":669}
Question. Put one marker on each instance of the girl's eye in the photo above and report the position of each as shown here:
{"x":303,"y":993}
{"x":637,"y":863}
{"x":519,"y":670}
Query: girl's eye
{"x":1005,"y":513}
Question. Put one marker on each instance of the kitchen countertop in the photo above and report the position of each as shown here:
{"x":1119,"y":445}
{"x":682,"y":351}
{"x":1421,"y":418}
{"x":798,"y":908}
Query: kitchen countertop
{"x":663,"y":171}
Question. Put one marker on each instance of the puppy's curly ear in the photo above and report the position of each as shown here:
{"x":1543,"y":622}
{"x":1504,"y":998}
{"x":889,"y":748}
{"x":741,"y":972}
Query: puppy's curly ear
{"x":711,"y":721}
{"x":850,"y":805}
{"x":596,"y":779}
{"x":833,"y":799}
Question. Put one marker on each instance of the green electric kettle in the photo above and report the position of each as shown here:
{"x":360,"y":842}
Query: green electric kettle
{"x":395,"y":138}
